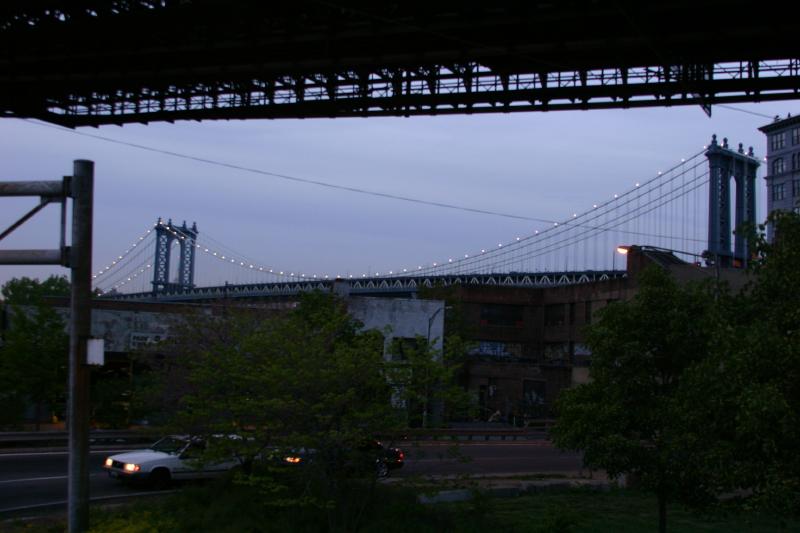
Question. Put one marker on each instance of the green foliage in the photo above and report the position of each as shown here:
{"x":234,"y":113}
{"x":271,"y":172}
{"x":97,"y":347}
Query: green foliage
{"x":426,"y":380}
{"x":694,"y":390}
{"x":110,"y":396}
{"x":27,"y":291}
{"x":136,"y":522}
{"x":558,"y":518}
{"x":306,"y":379}
{"x":627,"y":419}
{"x":33,"y":355}
{"x":234,"y":508}
{"x":745,"y":397}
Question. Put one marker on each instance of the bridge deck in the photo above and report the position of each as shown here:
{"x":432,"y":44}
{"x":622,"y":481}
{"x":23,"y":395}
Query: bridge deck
{"x":91,"y":63}
{"x":390,"y":286}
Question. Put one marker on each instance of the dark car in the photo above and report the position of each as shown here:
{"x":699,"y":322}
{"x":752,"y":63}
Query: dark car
{"x":371,"y":455}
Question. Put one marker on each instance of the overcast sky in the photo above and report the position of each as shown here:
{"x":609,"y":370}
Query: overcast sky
{"x":543,"y":165}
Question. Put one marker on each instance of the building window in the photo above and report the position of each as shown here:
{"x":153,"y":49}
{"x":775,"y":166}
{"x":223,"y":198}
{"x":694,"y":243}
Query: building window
{"x":795,"y":188}
{"x":795,"y":160}
{"x":555,"y":315}
{"x":587,"y":313}
{"x":581,"y":354}
{"x":778,"y":192}
{"x":501,"y":315}
{"x":777,"y":166}
{"x":776,"y":142}
{"x":796,"y":136}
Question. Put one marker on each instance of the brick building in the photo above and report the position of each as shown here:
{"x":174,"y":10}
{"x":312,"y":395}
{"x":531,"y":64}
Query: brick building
{"x":529,"y":343}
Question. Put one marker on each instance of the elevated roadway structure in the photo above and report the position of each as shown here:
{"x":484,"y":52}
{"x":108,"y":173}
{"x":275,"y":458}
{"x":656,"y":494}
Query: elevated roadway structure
{"x":90,"y":63}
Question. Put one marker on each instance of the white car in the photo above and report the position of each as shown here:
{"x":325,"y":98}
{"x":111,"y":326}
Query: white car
{"x":171,"y":458}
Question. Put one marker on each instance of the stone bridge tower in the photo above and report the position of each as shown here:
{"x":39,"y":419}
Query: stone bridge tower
{"x":725,"y":164}
{"x":166,"y":235}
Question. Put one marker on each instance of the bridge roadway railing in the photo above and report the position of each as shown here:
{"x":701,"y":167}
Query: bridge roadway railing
{"x":396,"y":286}
{"x":537,"y":430}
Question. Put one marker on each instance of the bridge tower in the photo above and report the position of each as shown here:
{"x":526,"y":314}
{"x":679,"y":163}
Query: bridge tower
{"x":166,"y":234}
{"x":725,"y":164}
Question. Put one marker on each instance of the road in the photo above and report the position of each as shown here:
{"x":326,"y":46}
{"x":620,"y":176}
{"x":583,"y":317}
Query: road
{"x":40,"y":478}
{"x":35,"y":480}
{"x":486,"y":458}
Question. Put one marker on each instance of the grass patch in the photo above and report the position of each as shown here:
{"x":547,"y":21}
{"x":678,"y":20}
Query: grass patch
{"x":234,"y":508}
{"x":617,"y":511}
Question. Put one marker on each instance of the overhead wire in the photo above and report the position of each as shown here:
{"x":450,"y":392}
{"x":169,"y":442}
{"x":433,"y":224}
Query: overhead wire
{"x":287,"y":177}
{"x":598,"y":210}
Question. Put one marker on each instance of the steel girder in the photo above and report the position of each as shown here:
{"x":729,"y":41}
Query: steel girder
{"x":115,"y":62}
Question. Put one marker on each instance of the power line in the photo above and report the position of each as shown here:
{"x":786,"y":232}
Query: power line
{"x":732,"y":108}
{"x":288,"y":177}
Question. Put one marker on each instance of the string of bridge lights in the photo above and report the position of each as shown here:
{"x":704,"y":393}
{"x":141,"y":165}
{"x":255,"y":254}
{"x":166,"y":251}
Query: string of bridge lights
{"x":139,"y":269}
{"x":238,"y":262}
{"x":124,"y":254}
{"x":538,"y":233}
{"x":251,"y":266}
{"x":247,"y":265}
{"x":130,"y":278}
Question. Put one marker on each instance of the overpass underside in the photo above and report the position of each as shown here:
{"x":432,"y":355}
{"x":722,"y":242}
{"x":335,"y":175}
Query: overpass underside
{"x":92,"y":63}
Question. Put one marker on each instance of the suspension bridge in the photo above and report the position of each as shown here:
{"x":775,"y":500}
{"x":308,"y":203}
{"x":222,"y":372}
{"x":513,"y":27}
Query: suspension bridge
{"x":691,"y":209}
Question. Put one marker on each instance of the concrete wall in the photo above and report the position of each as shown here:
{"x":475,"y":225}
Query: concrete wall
{"x":127,"y":326}
{"x":127,"y":331}
{"x":406,"y":318}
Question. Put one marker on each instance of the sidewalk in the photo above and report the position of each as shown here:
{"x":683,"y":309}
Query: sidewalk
{"x":459,"y":488}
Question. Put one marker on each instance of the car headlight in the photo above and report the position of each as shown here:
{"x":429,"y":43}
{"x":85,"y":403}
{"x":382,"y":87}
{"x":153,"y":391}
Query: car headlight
{"x":291,"y":459}
{"x":130,"y":467}
{"x":109,"y":461}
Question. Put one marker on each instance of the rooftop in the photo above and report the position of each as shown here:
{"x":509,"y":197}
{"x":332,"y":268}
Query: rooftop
{"x":779,"y":123}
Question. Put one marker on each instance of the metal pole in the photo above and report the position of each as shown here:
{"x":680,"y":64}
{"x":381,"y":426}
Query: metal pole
{"x":45,"y":189}
{"x":30,"y":257}
{"x":80,"y":263}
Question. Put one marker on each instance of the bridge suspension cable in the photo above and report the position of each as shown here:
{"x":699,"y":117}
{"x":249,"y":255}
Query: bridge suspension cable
{"x":138,"y":243}
{"x":643,"y":199}
{"x":666,"y":210}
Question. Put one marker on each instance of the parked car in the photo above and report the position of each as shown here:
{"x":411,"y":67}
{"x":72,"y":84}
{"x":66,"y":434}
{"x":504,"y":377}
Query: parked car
{"x":175,"y":457}
{"x":372,"y":454}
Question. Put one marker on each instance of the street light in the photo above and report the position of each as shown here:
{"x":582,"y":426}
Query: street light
{"x":433,"y":316}
{"x":427,"y":347}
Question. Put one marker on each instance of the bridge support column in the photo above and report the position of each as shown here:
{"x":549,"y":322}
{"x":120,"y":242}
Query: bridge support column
{"x":166,"y":235}
{"x":725,"y":164}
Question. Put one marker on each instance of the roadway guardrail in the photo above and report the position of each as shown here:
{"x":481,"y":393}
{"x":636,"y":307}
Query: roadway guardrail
{"x":38,"y":439}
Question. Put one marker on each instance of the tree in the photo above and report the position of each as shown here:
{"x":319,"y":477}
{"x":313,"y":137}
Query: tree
{"x":305,"y":379}
{"x":745,"y":397}
{"x":425,"y":379}
{"x":628,"y":420}
{"x":27,"y":291}
{"x":33,"y":356}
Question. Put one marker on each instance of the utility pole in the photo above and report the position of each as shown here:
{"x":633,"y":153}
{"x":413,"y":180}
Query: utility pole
{"x":77,"y":257}
{"x":80,"y":262}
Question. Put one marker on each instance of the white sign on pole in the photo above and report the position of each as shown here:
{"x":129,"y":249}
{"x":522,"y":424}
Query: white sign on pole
{"x":95,"y":352}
